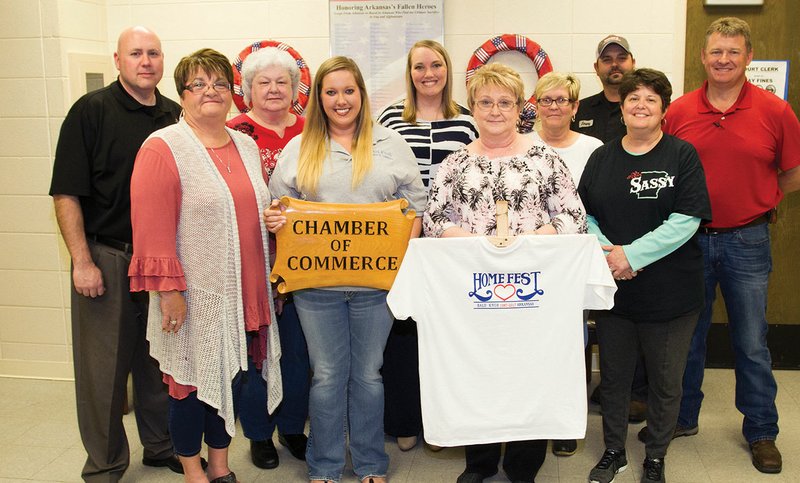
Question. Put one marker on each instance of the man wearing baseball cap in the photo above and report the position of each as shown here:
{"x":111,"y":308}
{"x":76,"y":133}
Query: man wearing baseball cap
{"x":599,"y":115}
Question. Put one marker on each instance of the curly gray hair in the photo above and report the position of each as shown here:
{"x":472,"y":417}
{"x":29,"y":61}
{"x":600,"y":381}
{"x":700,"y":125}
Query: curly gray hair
{"x":268,"y":57}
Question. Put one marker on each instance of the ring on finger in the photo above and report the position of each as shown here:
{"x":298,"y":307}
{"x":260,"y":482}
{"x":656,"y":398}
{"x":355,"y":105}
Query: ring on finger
{"x":173,"y":322}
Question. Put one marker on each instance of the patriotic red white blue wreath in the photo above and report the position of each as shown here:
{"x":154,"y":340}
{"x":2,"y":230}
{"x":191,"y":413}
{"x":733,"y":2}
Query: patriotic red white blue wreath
{"x":519,"y":43}
{"x":299,"y":105}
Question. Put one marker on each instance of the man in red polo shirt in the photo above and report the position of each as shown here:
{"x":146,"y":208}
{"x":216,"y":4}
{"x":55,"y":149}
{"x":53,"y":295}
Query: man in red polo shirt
{"x":748,"y":140}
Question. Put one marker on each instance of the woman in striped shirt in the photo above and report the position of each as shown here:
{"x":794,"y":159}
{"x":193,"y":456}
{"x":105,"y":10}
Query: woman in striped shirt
{"x":434,"y":125}
{"x":430,"y":121}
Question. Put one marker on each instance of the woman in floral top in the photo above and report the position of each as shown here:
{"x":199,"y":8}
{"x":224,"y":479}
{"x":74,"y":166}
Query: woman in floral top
{"x":502,"y":165}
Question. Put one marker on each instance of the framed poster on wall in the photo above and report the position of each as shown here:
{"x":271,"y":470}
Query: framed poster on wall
{"x":771,"y":75}
{"x":377,"y":35}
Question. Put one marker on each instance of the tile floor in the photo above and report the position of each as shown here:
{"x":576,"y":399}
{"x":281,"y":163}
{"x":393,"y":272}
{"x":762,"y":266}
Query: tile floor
{"x":39,"y":441}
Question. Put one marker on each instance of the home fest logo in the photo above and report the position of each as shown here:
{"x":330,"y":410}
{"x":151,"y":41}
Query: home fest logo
{"x":514,"y":290}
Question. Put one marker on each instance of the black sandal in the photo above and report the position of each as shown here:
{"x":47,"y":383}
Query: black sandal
{"x":229,"y":478}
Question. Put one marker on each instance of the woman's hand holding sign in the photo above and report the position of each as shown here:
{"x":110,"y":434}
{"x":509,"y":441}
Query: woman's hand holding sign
{"x":274,"y":218}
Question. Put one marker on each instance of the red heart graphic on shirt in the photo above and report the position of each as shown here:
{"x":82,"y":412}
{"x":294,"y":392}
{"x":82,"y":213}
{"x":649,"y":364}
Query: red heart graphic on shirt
{"x":504,"y":292}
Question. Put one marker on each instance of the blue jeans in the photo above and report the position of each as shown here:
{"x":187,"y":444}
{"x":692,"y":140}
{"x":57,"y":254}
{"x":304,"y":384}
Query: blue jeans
{"x":346,"y":334}
{"x":290,"y":417}
{"x":740,"y":262}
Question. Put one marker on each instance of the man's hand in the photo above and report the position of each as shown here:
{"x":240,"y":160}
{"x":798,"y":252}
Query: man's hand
{"x":88,"y":279}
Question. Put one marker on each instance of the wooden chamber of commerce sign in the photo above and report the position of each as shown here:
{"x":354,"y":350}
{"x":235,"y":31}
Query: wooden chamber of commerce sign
{"x":337,"y":244}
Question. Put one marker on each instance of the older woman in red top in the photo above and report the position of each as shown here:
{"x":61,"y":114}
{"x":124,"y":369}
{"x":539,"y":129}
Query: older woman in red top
{"x":270,"y":80}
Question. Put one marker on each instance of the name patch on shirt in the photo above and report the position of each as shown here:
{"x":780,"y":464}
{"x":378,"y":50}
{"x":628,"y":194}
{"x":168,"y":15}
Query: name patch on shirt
{"x":585,"y":123}
{"x":506,"y":290}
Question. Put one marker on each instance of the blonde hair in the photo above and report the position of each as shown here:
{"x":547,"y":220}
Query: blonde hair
{"x":556,"y":80}
{"x":315,"y":145}
{"x":730,"y":27}
{"x":449,"y":107}
{"x":498,"y":75}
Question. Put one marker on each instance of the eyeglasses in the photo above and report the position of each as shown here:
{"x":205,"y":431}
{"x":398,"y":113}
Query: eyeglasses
{"x":560,"y":102}
{"x":197,"y":87}
{"x":504,"y":105}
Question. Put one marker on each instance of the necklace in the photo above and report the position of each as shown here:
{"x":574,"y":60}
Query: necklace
{"x":221,"y":162}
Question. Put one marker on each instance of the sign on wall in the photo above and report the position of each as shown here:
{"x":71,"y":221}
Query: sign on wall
{"x":771,"y":75}
{"x":377,"y":34}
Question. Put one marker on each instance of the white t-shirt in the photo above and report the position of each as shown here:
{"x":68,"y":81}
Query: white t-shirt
{"x":501,"y":334}
{"x":576,"y":155}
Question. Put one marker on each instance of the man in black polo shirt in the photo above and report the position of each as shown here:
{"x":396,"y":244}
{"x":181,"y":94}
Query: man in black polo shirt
{"x":599,"y":115}
{"x":91,"y":190}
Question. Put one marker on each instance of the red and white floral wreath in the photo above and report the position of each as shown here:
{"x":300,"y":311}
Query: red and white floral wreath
{"x":519,"y":43}
{"x":299,"y":105}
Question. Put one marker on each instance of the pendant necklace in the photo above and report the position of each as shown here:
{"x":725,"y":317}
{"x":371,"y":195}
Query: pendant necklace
{"x":227,"y":165}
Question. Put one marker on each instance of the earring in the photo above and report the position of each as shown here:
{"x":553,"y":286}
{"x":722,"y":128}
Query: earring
{"x":573,"y":118}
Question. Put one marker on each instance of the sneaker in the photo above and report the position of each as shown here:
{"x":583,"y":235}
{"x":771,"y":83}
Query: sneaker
{"x":653,"y":471}
{"x":565,"y":447}
{"x":612,"y":462}
{"x":679,"y":431}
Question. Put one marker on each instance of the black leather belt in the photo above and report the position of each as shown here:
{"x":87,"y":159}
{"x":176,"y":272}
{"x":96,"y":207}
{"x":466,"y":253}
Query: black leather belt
{"x":707,"y":230}
{"x":110,"y":242}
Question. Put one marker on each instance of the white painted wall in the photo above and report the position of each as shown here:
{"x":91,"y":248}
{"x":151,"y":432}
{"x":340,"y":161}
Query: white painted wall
{"x":36,"y":37}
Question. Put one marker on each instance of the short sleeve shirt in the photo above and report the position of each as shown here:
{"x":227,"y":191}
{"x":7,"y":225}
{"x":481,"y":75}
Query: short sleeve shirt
{"x":741,"y":149}
{"x":501,"y":321}
{"x":600,"y":118}
{"x":536,"y":183}
{"x":95,"y":153}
